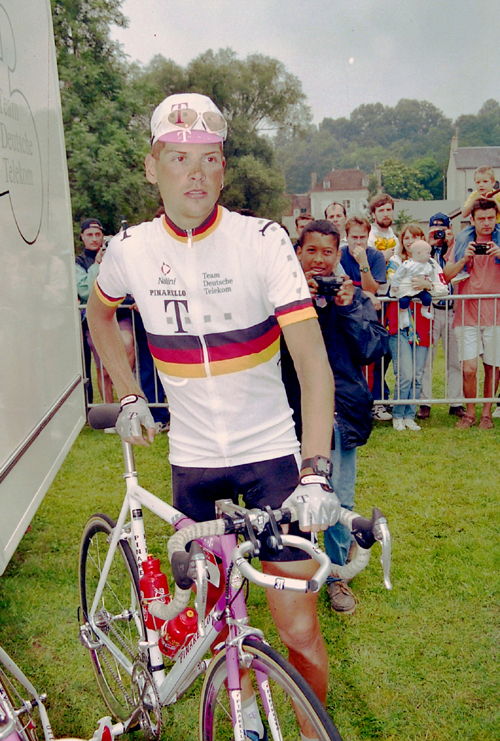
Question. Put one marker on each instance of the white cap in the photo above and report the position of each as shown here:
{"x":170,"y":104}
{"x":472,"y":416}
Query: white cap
{"x":190,"y":118}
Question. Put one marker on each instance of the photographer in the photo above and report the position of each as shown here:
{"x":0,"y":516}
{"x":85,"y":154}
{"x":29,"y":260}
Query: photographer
{"x":442,"y":240}
{"x":353,"y":338}
{"x":476,"y":323}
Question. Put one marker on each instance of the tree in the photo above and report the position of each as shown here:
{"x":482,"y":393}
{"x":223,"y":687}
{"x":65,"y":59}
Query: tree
{"x":482,"y":130}
{"x":402,"y":181}
{"x":105,"y":146}
{"x":251,"y":184}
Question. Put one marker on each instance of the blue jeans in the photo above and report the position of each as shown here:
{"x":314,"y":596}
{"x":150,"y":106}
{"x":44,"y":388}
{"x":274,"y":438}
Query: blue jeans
{"x":337,"y":538}
{"x":407,"y":385}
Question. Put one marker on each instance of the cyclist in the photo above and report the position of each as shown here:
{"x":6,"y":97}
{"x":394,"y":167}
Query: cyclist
{"x":214,"y":289}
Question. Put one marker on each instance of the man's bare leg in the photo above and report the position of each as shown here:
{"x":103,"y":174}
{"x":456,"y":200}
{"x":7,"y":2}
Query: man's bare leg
{"x":295,"y":615}
{"x":470,"y":384}
{"x":490,"y":387}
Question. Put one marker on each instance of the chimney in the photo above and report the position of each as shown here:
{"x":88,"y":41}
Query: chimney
{"x":454,"y":142}
{"x":314,"y":180}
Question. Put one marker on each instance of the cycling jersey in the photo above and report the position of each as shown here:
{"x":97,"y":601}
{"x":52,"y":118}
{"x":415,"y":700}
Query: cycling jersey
{"x":212,"y":301}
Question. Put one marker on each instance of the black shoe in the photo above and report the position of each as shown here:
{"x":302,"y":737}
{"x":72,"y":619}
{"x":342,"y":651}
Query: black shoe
{"x":424,"y":412}
{"x":457,"y":411}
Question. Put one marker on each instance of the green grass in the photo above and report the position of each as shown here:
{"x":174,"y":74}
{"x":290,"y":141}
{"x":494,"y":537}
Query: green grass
{"x":418,"y":663}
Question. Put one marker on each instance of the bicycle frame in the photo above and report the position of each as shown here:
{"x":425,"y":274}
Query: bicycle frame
{"x":189,"y":663}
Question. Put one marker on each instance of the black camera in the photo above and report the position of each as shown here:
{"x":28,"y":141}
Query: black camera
{"x":439,"y":234}
{"x":328,"y":285}
{"x":480,"y":249}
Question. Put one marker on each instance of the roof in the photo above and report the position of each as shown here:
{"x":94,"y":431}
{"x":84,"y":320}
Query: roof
{"x":342,"y":180}
{"x":301,"y":201}
{"x":468,"y":158}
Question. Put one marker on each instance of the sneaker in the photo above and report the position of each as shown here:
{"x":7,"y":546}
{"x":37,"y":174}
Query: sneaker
{"x":424,"y":412}
{"x":162,"y":427}
{"x":341,"y":597}
{"x":486,"y":423}
{"x":457,"y":411}
{"x":410,"y":424}
{"x":110,"y":431}
{"x":398,"y":424}
{"x":381,"y":414}
{"x":496,"y":413}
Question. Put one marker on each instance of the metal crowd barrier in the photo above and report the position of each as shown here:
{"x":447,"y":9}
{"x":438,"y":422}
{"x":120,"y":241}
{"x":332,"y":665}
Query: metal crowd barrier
{"x":439,"y":379}
{"x":439,"y":376}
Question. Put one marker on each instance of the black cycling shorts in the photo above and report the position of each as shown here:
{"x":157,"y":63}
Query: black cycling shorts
{"x":195,"y":491}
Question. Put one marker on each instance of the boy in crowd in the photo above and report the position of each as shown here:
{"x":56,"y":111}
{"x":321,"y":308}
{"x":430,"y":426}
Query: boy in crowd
{"x":353,"y":338}
{"x":485,"y":180}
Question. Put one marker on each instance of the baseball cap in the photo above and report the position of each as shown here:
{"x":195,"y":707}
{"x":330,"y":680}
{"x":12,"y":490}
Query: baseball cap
{"x":189,"y":118}
{"x":87,"y":223}
{"x":439,"y":219}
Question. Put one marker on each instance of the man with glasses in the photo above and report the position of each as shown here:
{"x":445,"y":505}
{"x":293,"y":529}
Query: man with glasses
{"x":215,"y":289}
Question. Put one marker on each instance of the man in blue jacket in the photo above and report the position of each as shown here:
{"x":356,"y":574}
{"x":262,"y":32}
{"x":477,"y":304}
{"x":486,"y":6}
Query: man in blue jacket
{"x":353,"y":338}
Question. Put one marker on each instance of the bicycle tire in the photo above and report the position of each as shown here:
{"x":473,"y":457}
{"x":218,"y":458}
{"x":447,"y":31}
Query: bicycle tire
{"x":285,"y":683}
{"x":120,"y":597}
{"x":10,"y":721}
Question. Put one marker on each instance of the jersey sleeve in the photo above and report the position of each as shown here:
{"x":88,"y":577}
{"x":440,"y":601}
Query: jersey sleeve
{"x":287,"y":289}
{"x":110,"y":285}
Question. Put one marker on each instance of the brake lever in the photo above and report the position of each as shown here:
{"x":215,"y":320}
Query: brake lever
{"x":382,"y":534}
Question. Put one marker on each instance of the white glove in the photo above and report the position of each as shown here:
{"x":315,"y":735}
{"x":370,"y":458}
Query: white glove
{"x":316,"y":503}
{"x":134,"y":412}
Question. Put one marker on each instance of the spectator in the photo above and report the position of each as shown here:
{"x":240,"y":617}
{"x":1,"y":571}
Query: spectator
{"x":87,"y":268}
{"x":337,"y":214}
{"x":419,"y":264}
{"x":476,"y":320}
{"x":441,"y":240}
{"x":301,"y":221}
{"x":366,"y":267}
{"x":353,"y":337}
{"x":409,"y":336}
{"x":382,"y":236}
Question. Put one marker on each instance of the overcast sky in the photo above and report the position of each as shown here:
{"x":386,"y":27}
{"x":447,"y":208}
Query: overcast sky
{"x":345,"y":52}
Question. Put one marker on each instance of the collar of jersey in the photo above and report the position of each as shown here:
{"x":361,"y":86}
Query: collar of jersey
{"x":204,"y":230}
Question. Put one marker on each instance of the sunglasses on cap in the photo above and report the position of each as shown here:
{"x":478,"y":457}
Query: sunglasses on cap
{"x":186,"y":118}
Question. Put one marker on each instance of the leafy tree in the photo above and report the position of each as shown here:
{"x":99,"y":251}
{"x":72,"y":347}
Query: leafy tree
{"x":402,"y":181}
{"x":403,"y":217}
{"x":105,"y":147}
{"x":251,"y":184}
{"x":482,"y":130}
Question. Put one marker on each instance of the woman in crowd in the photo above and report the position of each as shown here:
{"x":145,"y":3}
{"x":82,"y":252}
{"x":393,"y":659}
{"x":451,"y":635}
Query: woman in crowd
{"x":409,"y":336}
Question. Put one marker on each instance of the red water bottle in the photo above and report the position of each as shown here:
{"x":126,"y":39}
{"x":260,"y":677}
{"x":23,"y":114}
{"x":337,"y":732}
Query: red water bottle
{"x":178,"y":632}
{"x":154,"y":586}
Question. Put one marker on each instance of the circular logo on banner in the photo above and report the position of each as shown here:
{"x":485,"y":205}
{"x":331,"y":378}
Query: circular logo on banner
{"x":20,"y":160}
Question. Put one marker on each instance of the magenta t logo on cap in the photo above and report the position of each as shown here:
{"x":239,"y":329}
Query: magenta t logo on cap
{"x":190,"y":118}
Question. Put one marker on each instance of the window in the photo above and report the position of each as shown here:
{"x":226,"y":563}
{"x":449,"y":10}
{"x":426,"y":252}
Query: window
{"x":347,"y":205}
{"x":326,"y":184}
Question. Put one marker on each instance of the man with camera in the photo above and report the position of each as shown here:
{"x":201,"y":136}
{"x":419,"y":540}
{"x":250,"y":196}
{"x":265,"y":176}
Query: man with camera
{"x":441,"y":240}
{"x":353,"y":338}
{"x":477,"y":321}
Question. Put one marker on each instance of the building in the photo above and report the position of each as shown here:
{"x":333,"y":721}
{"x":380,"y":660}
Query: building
{"x":349,"y":187}
{"x":462,"y":164}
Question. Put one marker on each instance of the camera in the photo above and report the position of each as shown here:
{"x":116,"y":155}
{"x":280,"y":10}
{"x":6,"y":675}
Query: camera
{"x":328,"y":285}
{"x":480,"y":249}
{"x":439,"y":234}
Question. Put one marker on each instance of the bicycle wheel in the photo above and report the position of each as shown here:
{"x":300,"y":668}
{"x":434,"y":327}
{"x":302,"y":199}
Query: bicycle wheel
{"x":118,"y":615}
{"x":11,"y":702}
{"x":283,"y":691}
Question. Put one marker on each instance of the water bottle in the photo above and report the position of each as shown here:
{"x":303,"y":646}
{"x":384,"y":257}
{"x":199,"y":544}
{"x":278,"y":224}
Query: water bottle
{"x":153,"y":586}
{"x":178,"y":632}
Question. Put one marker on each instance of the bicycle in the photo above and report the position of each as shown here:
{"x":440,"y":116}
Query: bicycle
{"x":17,"y":721}
{"x":126,"y":658}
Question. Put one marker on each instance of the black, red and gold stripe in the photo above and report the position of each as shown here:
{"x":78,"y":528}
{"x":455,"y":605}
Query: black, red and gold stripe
{"x":227,"y":352}
{"x":204,"y":230}
{"x":297,"y":311}
{"x":107,"y":300}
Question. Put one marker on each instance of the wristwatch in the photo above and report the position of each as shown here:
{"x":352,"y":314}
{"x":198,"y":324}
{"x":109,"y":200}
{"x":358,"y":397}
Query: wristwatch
{"x":365,"y":270}
{"x":319,"y":464}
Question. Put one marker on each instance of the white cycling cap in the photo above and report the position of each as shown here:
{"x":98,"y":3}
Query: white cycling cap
{"x":190,"y":118}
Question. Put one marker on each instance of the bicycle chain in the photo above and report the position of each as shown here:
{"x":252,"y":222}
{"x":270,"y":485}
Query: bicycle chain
{"x":102,"y":650}
{"x":150,"y":728}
